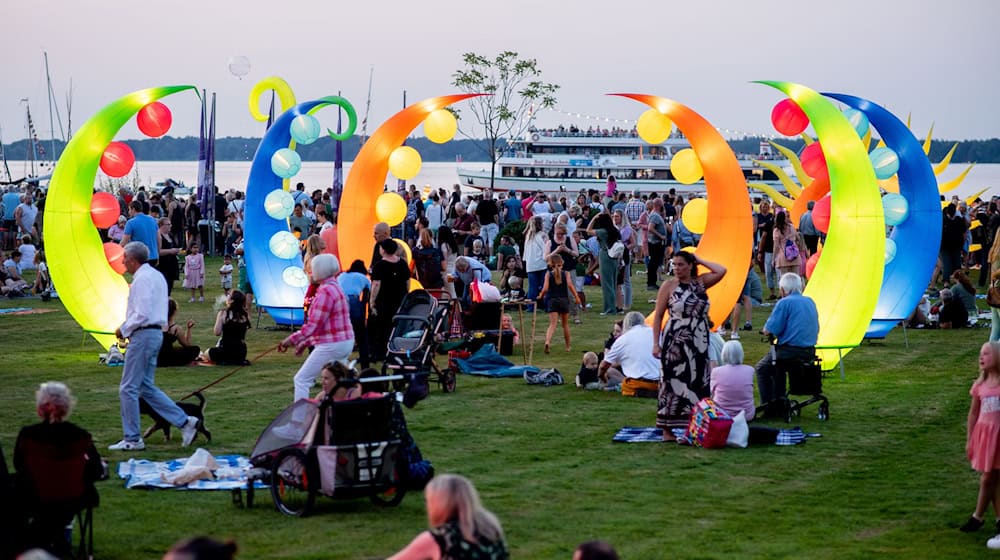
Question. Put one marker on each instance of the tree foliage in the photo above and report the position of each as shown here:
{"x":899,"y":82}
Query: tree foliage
{"x":515,"y":91}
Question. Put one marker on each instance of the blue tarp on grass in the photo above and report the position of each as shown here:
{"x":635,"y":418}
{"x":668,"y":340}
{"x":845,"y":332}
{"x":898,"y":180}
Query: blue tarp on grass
{"x":489,"y":363}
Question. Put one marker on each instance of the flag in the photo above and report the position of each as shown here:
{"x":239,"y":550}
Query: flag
{"x":338,"y":168}
{"x":206,"y":198}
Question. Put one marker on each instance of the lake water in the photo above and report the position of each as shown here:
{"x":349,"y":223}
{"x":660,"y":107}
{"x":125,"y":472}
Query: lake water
{"x":233,"y":174}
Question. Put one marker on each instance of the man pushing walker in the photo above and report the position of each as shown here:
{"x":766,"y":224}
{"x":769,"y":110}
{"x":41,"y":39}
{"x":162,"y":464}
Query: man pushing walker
{"x":145,"y":318}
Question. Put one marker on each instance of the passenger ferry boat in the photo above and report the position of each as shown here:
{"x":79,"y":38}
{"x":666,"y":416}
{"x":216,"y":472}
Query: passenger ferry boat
{"x":568,"y":160}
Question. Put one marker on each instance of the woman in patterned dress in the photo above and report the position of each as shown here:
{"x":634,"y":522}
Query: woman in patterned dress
{"x":684,"y":356}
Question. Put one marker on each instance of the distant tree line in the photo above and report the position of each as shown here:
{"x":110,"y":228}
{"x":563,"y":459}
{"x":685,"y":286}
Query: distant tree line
{"x":169,"y":148}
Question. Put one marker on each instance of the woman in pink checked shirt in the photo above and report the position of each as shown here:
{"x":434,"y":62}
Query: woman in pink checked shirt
{"x":328,"y":328}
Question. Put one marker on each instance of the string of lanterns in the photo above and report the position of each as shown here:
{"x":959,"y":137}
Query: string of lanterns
{"x":730,"y":132}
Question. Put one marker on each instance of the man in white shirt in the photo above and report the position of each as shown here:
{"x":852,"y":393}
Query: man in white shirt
{"x":25,"y":214}
{"x":629,"y":360}
{"x":145,"y":318}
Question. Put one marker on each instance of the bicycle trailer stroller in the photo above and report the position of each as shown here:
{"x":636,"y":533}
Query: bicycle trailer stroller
{"x":419,"y":327}
{"x":345,"y":449}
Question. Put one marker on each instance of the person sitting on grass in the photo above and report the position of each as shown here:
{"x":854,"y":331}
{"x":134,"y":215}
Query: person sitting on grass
{"x":201,"y":548}
{"x":595,"y":550}
{"x":732,"y":382}
{"x":460,"y":526}
{"x":183,"y":353}
{"x":43,"y":283}
{"x":963,"y":289}
{"x":588,"y":376}
{"x":338,"y":383}
{"x":952,"y":313}
{"x":231,"y":324}
{"x":629,"y":361}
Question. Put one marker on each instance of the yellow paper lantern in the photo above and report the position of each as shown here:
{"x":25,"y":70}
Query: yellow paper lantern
{"x":415,"y":284}
{"x":390,"y":208}
{"x":695,"y":215}
{"x":440,"y":126}
{"x":653,"y":126}
{"x":975,"y":247}
{"x":690,"y":249}
{"x":406,"y":255}
{"x":686,"y":167}
{"x":404,"y":162}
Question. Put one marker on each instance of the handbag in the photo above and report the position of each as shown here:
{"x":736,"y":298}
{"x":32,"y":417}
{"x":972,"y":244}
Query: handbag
{"x":993,"y":295}
{"x":616,"y":250}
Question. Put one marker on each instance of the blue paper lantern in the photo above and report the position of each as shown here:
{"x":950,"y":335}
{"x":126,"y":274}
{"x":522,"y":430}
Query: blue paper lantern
{"x":885,"y":161}
{"x":304,"y":129}
{"x":294,"y":276}
{"x":858,"y":120}
{"x":286,"y":163}
{"x":279,"y":204}
{"x":284,"y":245}
{"x":896,"y":209}
{"x":890,"y":250}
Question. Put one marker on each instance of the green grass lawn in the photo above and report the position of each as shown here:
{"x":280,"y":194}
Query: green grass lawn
{"x":888,"y":477}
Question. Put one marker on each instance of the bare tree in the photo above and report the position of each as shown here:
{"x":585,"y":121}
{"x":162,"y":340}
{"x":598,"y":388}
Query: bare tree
{"x":516,"y":92}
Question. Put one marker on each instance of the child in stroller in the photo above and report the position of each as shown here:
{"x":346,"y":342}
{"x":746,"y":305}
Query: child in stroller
{"x":418,"y":328}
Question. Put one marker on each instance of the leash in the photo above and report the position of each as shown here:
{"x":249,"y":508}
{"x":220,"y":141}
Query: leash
{"x":230,"y":374}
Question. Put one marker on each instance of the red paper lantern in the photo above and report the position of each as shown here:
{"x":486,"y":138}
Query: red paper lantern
{"x":811,"y":264}
{"x":117,"y":159}
{"x":788,"y":118}
{"x":821,"y":214}
{"x":104,"y":210}
{"x":329,"y":237}
{"x":813,"y":161}
{"x":115,"y":254}
{"x":154,"y":120}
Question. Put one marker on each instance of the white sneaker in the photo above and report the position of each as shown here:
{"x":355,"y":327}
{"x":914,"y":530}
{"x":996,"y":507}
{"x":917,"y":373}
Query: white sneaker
{"x":126,"y":445}
{"x":993,"y":543}
{"x":191,"y":300}
{"x":189,"y":430}
{"x":734,"y":336}
{"x":201,"y":299}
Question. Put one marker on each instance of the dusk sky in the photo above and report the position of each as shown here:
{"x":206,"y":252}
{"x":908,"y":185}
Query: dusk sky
{"x":937,"y":61}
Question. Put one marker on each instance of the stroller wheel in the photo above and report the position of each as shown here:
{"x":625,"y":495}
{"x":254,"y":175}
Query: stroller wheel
{"x":448,"y":380}
{"x":393,"y":494}
{"x":290,"y":483}
{"x":824,"y":411}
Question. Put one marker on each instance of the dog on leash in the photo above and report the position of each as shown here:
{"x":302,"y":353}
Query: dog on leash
{"x":160,"y":423}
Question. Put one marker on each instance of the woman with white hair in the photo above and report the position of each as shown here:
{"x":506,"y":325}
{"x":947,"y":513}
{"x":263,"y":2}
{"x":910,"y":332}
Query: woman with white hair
{"x":461,"y":528}
{"x":732,"y":382}
{"x":328,"y":328}
{"x":54,"y":437}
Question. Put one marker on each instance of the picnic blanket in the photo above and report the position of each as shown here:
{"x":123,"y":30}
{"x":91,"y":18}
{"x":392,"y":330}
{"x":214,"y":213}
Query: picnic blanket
{"x":489,"y":363}
{"x":140,"y":473}
{"x":652,"y":434}
{"x":24,"y":311}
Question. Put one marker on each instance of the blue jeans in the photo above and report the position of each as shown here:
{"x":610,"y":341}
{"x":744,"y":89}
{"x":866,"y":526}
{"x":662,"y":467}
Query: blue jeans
{"x":489,"y":232}
{"x":994,"y":324}
{"x":137,"y":381}
{"x":535,"y":280}
{"x":627,"y":287}
{"x":769,"y":272}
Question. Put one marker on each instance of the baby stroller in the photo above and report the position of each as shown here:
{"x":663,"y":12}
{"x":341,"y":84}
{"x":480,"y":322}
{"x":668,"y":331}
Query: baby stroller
{"x":345,"y":449}
{"x":419,"y":327}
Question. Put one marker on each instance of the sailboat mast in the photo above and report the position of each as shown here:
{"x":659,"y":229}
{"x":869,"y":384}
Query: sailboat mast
{"x":3,"y":156}
{"x":368,"y":107}
{"x":52,"y":104}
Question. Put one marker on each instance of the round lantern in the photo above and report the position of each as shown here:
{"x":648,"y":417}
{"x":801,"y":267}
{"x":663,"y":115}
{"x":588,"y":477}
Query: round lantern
{"x":896,"y":209}
{"x":117,"y":159}
{"x":653,"y":126}
{"x":858,"y":120}
{"x":283,"y":245}
{"x":695,"y":215}
{"x":813,"y":161}
{"x":154,"y":120}
{"x":304,"y":129}
{"x":104,"y":210}
{"x":811,"y":264}
{"x":821,"y":214}
{"x":440,"y":126}
{"x":115,"y":254}
{"x":279,"y":204}
{"x":404,"y":162}
{"x":390,"y":208}
{"x":286,"y":163}
{"x":294,"y":276}
{"x":686,"y":167}
{"x":885,"y":162}
{"x":788,"y":118}
{"x":890,"y":250}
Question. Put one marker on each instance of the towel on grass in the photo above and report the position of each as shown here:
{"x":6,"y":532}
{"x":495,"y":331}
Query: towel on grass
{"x":231,"y":473}
{"x":488,"y":362}
{"x":652,"y":434}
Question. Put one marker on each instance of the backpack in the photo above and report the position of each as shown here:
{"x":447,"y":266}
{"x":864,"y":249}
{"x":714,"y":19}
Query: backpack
{"x":791,"y":250}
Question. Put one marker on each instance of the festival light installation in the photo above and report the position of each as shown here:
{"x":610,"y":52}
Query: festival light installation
{"x":94,"y":294}
{"x":728,"y":237}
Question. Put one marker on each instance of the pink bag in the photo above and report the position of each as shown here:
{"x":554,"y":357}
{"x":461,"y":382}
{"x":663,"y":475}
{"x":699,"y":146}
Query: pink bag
{"x":709,"y":426}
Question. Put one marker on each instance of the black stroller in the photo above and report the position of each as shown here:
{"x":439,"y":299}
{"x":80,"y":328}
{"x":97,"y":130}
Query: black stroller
{"x":418,"y":329}
{"x":345,"y":449}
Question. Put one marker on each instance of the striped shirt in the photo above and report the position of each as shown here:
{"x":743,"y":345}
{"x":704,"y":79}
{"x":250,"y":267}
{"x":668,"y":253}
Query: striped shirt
{"x":329,"y":318}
